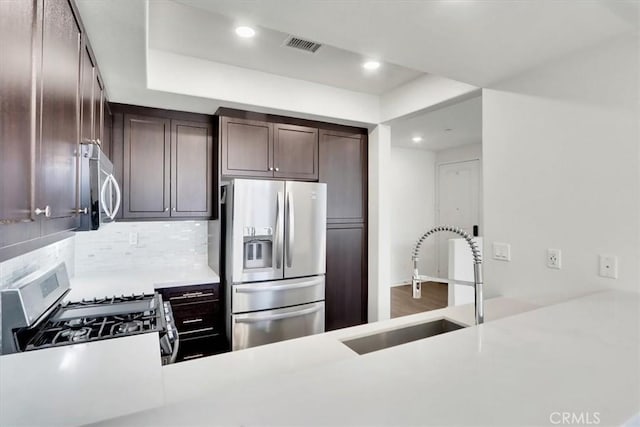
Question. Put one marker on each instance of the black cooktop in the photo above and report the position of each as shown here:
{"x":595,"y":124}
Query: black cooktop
{"x":97,"y":319}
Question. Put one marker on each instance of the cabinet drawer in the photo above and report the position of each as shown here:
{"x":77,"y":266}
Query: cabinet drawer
{"x":197,"y":318}
{"x":191,"y":294}
{"x":195,"y":348}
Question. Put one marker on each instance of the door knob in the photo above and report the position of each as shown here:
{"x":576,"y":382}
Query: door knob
{"x":46,"y":211}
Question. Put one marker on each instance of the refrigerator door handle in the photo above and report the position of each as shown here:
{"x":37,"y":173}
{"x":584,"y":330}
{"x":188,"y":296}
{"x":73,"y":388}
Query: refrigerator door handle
{"x":278,"y":231}
{"x":290,"y":229}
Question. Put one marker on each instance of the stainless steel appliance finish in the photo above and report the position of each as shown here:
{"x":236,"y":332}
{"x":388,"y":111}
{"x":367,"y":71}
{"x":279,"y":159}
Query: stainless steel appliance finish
{"x":100,"y":195}
{"x":268,"y":326}
{"x":282,"y":293}
{"x":477,"y":267}
{"x":386,"y":339}
{"x":275,"y":257}
{"x":35,"y":317}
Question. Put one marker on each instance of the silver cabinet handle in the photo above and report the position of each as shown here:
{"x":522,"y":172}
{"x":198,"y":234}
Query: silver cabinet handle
{"x":277,"y":169}
{"x":81,"y":211}
{"x":166,"y":209}
{"x":290,"y":230}
{"x":193,"y":356}
{"x":278,"y":242}
{"x":256,"y":319}
{"x":174,"y":209}
{"x":46,"y":211}
{"x":270,"y":169}
{"x":186,"y":322}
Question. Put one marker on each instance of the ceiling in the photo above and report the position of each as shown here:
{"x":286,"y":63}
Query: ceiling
{"x":464,"y":119}
{"x":476,"y":42}
{"x":208,"y":35}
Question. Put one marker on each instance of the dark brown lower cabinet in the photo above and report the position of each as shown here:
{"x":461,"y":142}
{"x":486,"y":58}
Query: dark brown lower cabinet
{"x":346,"y":283}
{"x":198,"y":314}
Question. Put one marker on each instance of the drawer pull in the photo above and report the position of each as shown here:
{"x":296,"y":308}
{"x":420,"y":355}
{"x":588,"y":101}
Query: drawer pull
{"x":192,"y":295}
{"x":192,"y":321}
{"x":193,"y":356}
{"x":196,"y":331}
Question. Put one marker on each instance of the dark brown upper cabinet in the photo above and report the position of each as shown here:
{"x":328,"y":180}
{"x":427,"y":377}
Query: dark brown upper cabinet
{"x":247,"y":147}
{"x":268,"y":150}
{"x":167,"y":162}
{"x":46,"y":75}
{"x":17,"y":124}
{"x":191,"y":169}
{"x":146,"y":167}
{"x":295,"y":152}
{"x":343,"y":167}
{"x":61,"y":40}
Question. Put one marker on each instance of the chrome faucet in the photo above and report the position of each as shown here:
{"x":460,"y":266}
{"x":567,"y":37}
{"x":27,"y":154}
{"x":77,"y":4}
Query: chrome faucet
{"x":477,"y":267}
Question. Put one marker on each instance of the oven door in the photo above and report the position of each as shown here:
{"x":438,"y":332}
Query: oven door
{"x":269,"y":326}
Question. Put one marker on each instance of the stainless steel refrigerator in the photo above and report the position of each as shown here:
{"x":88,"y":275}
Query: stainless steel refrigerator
{"x":275,"y":260}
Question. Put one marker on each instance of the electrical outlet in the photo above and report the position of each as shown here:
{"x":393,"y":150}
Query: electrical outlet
{"x":501,"y":251}
{"x":609,"y":266}
{"x":133,"y":238}
{"x":554,"y":258}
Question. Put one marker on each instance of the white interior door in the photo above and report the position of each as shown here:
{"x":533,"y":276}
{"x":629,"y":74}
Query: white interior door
{"x":458,"y":203}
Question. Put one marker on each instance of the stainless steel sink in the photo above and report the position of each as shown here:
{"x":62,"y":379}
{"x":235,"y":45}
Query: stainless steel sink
{"x":394,"y":337}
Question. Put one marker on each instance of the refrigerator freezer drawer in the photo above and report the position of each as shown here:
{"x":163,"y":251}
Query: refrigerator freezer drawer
{"x":281,"y":293}
{"x":269,"y":326}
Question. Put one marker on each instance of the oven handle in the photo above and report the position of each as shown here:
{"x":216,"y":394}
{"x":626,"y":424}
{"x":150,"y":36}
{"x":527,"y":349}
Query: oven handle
{"x":176,"y":345}
{"x":249,"y":289}
{"x":257,"y":319}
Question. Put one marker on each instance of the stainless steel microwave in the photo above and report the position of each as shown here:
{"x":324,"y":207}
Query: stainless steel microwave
{"x":100,"y":194}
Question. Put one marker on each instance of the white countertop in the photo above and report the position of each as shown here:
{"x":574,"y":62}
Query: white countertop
{"x":137,"y":281}
{"x":581,"y":356}
{"x":578,"y":355}
{"x":125,"y":375}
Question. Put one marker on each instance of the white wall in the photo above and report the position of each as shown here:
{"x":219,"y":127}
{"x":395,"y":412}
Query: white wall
{"x":170,"y":72}
{"x":412,"y":210}
{"x":379,"y":223}
{"x":561,"y":170}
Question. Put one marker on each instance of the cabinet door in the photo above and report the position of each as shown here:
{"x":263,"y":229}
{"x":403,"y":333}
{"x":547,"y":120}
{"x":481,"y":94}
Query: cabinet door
{"x":107,"y":129}
{"x":247,"y":147}
{"x":17,"y":123}
{"x":146,"y":167}
{"x":295,"y":152}
{"x":343,"y":167}
{"x":191,"y":169}
{"x":96,"y":109}
{"x":86,"y":96}
{"x":59,"y":116}
{"x":345,"y":288}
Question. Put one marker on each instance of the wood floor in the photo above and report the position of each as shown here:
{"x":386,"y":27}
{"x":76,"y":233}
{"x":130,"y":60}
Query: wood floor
{"x":434,"y":296}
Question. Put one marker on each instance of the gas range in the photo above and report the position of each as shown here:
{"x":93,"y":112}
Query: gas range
{"x":34,"y":317}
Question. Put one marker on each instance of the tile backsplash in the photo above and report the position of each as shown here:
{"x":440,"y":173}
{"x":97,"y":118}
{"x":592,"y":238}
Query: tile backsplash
{"x":141,"y":245}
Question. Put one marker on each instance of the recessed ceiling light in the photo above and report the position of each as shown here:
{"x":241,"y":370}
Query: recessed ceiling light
{"x":245,"y":32}
{"x":416,"y":139}
{"x":371,"y":65}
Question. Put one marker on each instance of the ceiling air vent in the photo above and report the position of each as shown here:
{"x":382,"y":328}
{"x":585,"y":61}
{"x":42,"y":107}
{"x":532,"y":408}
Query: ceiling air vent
{"x":302,"y":44}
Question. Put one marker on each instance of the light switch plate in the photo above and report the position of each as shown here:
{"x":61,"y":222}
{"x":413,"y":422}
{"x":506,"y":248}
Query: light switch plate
{"x":609,"y":266}
{"x":501,"y":251}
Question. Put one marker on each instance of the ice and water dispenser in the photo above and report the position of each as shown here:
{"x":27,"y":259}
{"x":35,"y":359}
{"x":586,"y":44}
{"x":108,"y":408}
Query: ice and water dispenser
{"x":258,"y":247}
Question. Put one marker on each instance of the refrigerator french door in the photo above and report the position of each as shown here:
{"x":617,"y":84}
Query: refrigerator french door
{"x":275,"y":260}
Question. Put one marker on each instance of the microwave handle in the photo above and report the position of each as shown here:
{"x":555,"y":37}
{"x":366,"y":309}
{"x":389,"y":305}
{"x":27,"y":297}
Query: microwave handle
{"x":103,"y":191}
{"x":115,"y":185}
